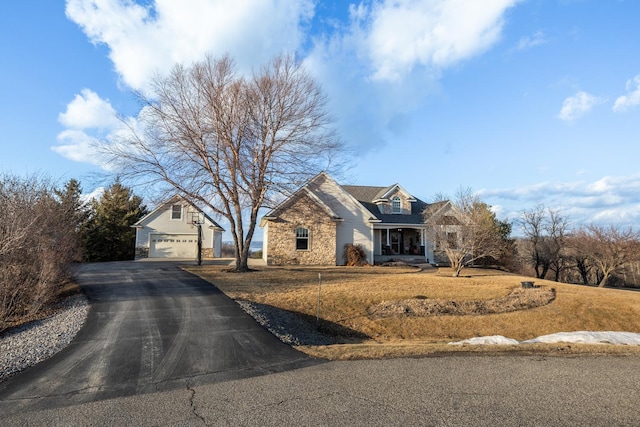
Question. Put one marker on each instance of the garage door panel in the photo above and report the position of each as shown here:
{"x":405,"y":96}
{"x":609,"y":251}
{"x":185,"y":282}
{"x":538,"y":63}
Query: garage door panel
{"x":173,"y":245}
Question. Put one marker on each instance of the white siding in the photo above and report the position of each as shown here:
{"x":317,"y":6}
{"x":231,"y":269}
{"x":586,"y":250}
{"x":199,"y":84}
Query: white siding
{"x":377,"y":241}
{"x":356,"y":233}
{"x":160,"y":222}
{"x":217,"y":243}
{"x":354,"y":227}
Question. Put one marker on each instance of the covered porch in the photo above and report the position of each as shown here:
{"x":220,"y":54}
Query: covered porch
{"x":401,"y":243}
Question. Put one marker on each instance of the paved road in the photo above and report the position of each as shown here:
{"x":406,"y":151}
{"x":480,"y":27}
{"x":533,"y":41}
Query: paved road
{"x":437,"y":391}
{"x":151,"y":327}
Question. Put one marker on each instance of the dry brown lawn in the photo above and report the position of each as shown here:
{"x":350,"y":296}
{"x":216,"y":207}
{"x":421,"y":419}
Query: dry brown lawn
{"x":347,"y":295}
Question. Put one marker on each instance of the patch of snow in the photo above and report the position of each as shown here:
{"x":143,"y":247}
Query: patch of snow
{"x":589,"y":337}
{"x":492,"y":340}
{"x":579,"y":337}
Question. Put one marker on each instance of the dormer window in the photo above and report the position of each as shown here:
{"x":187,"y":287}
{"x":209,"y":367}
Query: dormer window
{"x":176,"y":212}
{"x":396,"y":207}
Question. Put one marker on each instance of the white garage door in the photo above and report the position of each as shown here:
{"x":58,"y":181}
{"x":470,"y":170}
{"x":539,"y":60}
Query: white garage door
{"x":173,"y":246}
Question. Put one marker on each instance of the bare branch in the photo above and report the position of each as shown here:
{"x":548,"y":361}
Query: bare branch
{"x":230,"y":142}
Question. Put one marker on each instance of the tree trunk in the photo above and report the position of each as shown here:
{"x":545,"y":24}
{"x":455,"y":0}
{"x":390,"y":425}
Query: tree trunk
{"x":582,"y":268}
{"x":457,"y":271}
{"x":603,"y":281}
{"x":244,"y":259}
{"x":242,"y":255}
{"x":242,"y":264}
{"x":457,"y":266}
{"x":585,"y":278}
{"x":545,"y":270}
{"x":557,"y":269}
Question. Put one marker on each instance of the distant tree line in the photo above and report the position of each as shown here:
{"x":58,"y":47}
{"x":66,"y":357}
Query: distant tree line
{"x":589,"y":254}
{"x":549,"y":248}
{"x":45,"y":229}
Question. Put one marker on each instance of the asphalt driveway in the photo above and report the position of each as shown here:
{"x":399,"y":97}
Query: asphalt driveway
{"x":152,"y":327}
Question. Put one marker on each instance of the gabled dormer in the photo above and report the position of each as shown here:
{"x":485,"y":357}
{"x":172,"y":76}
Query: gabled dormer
{"x":394,"y":200}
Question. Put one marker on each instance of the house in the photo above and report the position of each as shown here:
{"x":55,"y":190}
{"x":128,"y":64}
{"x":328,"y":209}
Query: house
{"x":171,"y":231}
{"x":314,"y":224}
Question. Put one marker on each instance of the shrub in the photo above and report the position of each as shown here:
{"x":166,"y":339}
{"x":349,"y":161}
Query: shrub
{"x":227,"y":250}
{"x":256,"y":254}
{"x":354,"y":255}
{"x":38,"y":242}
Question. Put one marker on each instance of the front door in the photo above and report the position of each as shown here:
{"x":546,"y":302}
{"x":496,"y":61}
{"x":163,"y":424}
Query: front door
{"x":396,"y":242}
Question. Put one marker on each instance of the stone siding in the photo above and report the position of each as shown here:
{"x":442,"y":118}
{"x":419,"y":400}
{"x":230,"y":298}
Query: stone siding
{"x":142,"y":252}
{"x":207,"y":252}
{"x":281,"y":245}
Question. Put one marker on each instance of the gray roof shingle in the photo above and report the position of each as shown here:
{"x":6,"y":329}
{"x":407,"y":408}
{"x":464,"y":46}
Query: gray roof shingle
{"x":367,"y":194}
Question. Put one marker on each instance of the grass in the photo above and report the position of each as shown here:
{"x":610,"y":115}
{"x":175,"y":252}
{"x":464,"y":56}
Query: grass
{"x":348,"y":293}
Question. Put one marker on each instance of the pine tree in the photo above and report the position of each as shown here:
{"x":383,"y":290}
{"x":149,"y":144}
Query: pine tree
{"x":74,"y":211}
{"x":109,"y":232}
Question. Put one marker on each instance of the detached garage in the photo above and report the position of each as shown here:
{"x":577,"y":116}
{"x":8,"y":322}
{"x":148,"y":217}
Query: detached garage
{"x":171,"y":231}
{"x":173,"y":245}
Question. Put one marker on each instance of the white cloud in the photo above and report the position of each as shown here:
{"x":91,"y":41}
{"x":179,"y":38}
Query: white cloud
{"x":529,"y":42}
{"x":616,"y":184}
{"x":577,"y":105}
{"x":624,"y":215}
{"x":380,"y":67}
{"x":401,"y":34}
{"x":145,"y":40}
{"x":377,"y":68}
{"x":78,"y":146}
{"x":88,"y":110}
{"x":631,"y":99}
{"x":609,"y":200}
{"x":95,"y":194}
{"x":90,"y":122}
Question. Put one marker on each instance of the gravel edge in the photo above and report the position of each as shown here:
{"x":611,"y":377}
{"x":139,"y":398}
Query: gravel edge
{"x":29,"y":344}
{"x":287,"y":326}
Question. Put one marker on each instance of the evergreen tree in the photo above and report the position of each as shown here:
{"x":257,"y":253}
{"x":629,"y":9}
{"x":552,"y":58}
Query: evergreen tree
{"x":109,"y":233}
{"x":74,"y":211}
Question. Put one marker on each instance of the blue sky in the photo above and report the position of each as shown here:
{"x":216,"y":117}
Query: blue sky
{"x":526,"y":102}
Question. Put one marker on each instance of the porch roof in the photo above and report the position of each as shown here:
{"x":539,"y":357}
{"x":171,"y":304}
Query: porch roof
{"x":400,"y":220}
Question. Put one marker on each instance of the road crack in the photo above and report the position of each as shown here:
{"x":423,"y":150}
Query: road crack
{"x":192,"y":397}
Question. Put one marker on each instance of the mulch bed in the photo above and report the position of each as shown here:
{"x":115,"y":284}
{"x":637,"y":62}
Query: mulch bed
{"x":518,"y":299}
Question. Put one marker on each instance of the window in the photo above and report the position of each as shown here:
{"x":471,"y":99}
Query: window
{"x":176,"y":211}
{"x":395,"y":205}
{"x":452,"y":240}
{"x":302,"y":239}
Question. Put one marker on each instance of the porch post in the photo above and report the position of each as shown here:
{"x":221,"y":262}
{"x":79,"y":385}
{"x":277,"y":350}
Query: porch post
{"x":423,"y":243}
{"x":387,"y":237}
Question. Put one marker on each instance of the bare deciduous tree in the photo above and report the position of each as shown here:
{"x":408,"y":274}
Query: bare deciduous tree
{"x":472,"y":233}
{"x":38,"y":241}
{"x":580,"y":260}
{"x":609,"y":250}
{"x":229,"y":142}
{"x":558,"y":227}
{"x":544,"y":246}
